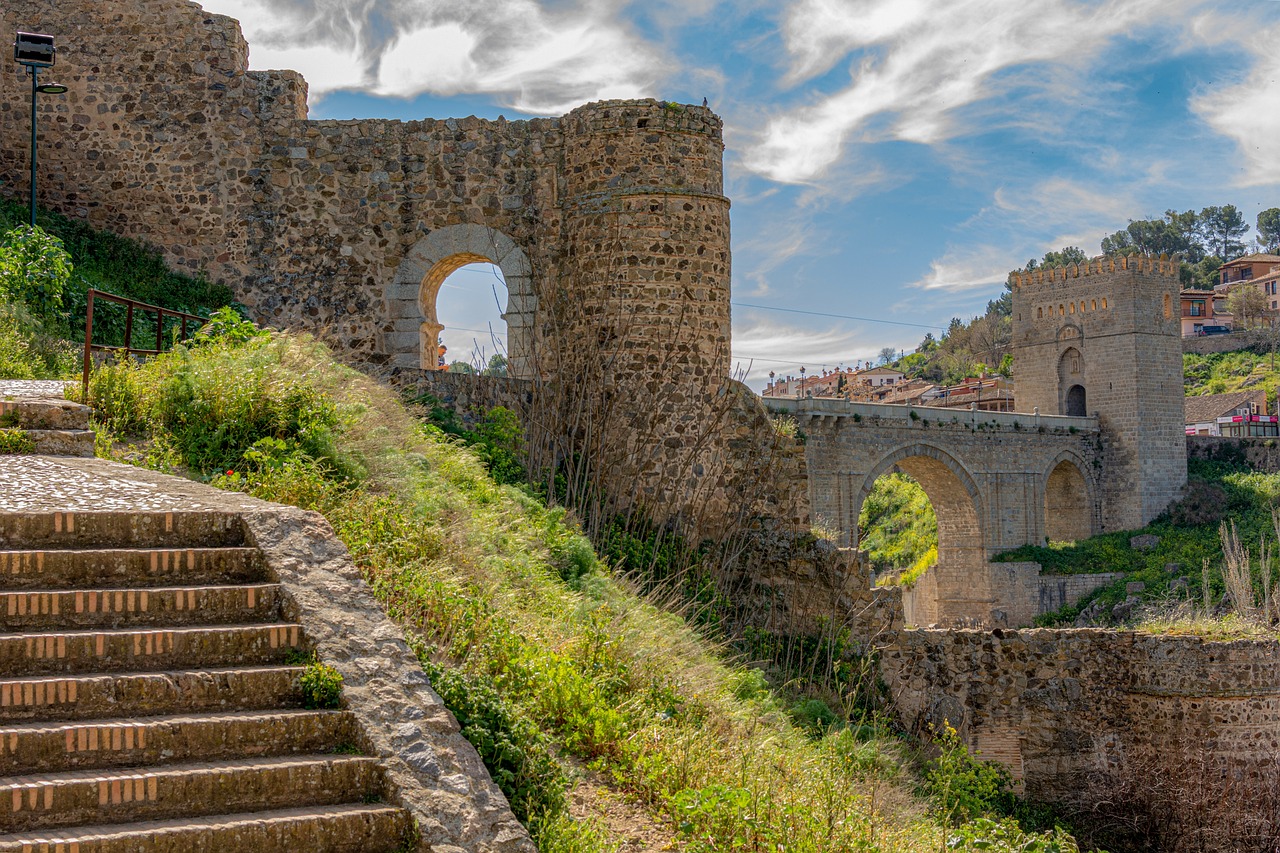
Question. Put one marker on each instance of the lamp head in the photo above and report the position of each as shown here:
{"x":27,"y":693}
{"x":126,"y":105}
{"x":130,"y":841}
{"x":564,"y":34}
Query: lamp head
{"x":51,"y":89}
{"x":34,"y":50}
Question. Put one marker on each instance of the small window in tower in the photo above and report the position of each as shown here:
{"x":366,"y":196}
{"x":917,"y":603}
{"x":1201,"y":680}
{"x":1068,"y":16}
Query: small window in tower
{"x":1062,"y":310}
{"x":1082,"y":306}
{"x":1168,"y":306}
{"x":1073,"y":308}
{"x":1093,"y":305}
{"x":1040,"y":313}
{"x":1104,"y":303}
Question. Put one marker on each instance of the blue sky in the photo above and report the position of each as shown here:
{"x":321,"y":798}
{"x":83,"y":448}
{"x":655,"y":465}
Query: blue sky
{"x":886,"y":159}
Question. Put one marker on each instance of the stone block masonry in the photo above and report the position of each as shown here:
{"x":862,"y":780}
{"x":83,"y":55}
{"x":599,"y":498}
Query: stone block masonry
{"x":1060,"y":707}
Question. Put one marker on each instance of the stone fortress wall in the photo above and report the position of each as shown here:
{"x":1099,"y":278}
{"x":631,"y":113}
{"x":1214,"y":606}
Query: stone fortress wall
{"x":610,"y":225}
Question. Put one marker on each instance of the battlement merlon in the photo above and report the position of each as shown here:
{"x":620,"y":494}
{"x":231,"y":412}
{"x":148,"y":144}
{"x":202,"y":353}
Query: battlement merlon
{"x":1162,"y":266}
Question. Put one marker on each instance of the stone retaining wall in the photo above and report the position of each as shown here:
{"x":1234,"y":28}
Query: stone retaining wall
{"x":1259,"y":341}
{"x":1260,"y":454}
{"x":1059,"y":707}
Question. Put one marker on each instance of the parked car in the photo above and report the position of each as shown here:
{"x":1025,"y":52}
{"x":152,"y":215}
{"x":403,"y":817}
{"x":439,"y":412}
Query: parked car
{"x":1214,"y":330}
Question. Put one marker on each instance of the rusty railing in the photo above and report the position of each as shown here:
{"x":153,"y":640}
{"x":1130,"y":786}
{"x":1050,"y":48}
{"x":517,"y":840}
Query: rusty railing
{"x":131,"y":305}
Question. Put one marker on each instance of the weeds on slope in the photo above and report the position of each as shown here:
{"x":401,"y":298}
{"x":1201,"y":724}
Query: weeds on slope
{"x":537,"y":648}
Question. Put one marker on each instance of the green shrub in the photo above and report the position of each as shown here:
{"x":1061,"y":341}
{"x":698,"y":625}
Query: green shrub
{"x":34,"y":271}
{"x":216,"y":405}
{"x":15,"y":441}
{"x":27,"y":351}
{"x":321,"y":686}
{"x":1007,"y":837}
{"x":814,"y":716}
{"x":962,"y":786}
{"x":520,"y":758}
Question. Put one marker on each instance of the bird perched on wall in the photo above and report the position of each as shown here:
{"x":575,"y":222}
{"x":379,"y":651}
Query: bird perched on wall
{"x":704,"y":102}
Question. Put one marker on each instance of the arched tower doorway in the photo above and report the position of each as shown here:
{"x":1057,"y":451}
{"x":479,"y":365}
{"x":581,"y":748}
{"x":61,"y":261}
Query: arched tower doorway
{"x":958,"y":586}
{"x":1071,"y":384}
{"x":411,"y":297}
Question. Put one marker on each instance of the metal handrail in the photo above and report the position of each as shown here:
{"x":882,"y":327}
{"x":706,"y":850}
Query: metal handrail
{"x":128,"y":349}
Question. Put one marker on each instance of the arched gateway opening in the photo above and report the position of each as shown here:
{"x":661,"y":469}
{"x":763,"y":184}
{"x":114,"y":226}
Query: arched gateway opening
{"x":414,"y":323}
{"x":957,"y":586}
{"x":1067,"y":513}
{"x":1071,"y":384}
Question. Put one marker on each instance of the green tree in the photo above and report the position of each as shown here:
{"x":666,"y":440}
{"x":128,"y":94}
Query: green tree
{"x":34,"y":271}
{"x":1175,"y":234}
{"x":1249,"y":306}
{"x":1222,"y":228}
{"x":1063,"y":257}
{"x":1269,"y":229}
{"x":497,"y":365}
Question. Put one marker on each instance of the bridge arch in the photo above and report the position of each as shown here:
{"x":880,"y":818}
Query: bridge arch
{"x":958,"y":584}
{"x":1070,"y":505}
{"x":416,"y":284}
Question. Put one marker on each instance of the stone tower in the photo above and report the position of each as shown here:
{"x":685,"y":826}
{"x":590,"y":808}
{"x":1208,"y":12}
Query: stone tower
{"x":1104,"y":338}
{"x":646,"y":276}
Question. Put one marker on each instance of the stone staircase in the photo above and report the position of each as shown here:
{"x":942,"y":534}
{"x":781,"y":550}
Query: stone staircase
{"x":149,"y":698}
{"x":51,"y":426}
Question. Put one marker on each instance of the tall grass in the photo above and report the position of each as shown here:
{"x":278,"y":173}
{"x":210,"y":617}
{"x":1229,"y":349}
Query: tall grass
{"x":539,"y":648}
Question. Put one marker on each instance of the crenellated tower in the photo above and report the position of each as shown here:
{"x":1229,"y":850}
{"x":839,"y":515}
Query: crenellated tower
{"x":1103,"y":338}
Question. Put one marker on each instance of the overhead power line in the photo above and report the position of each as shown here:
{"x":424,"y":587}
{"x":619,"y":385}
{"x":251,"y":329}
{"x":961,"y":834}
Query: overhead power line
{"x":839,"y":316}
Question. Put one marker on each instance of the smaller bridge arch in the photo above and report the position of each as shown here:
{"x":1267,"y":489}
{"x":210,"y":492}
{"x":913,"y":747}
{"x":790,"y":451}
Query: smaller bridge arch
{"x":1070,"y":503}
{"x":411,"y":295}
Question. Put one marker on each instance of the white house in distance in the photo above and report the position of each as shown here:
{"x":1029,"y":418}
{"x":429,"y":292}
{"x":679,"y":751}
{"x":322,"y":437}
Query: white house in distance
{"x":879,"y":376}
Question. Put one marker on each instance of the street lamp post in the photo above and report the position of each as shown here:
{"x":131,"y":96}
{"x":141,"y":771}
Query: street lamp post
{"x":36,"y":51}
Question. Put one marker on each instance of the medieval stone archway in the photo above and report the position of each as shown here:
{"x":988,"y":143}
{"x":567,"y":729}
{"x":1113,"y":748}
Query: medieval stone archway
{"x":1068,"y":500}
{"x":413,"y":291}
{"x":1071,"y":384}
{"x":958,"y":585}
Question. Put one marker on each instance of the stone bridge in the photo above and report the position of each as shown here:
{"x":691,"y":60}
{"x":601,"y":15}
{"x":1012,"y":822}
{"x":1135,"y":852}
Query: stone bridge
{"x":996,"y":481}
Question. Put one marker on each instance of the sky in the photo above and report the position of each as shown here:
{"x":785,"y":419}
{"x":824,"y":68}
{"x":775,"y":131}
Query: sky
{"x":888,"y":161}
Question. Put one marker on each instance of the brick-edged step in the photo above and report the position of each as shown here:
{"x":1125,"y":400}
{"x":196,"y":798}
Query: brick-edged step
{"x":96,"y":744}
{"x":121,"y":567}
{"x":193,"y":529}
{"x":44,"y":413}
{"x":50,"y":610}
{"x":132,"y":650}
{"x":324,"y":829}
{"x":88,"y":697}
{"x":50,"y":800}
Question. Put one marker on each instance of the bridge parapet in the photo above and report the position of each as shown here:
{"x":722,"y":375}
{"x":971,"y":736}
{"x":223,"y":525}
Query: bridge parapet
{"x":888,"y":414}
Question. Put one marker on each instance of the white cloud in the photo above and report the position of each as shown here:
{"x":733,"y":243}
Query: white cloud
{"x":916,"y":63}
{"x":1247,"y":112}
{"x":324,"y":41}
{"x":969,"y":268}
{"x":761,"y":344}
{"x":536,"y":57}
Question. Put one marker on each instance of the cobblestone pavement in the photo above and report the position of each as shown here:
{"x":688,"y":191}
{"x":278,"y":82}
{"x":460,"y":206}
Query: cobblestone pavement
{"x":56,"y":483}
{"x":13,"y":389}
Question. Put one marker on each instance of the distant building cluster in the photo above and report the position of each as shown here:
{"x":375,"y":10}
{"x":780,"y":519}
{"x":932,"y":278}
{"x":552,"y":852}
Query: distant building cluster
{"x":888,"y":385}
{"x":1235,"y":415}
{"x":1205,"y":312}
